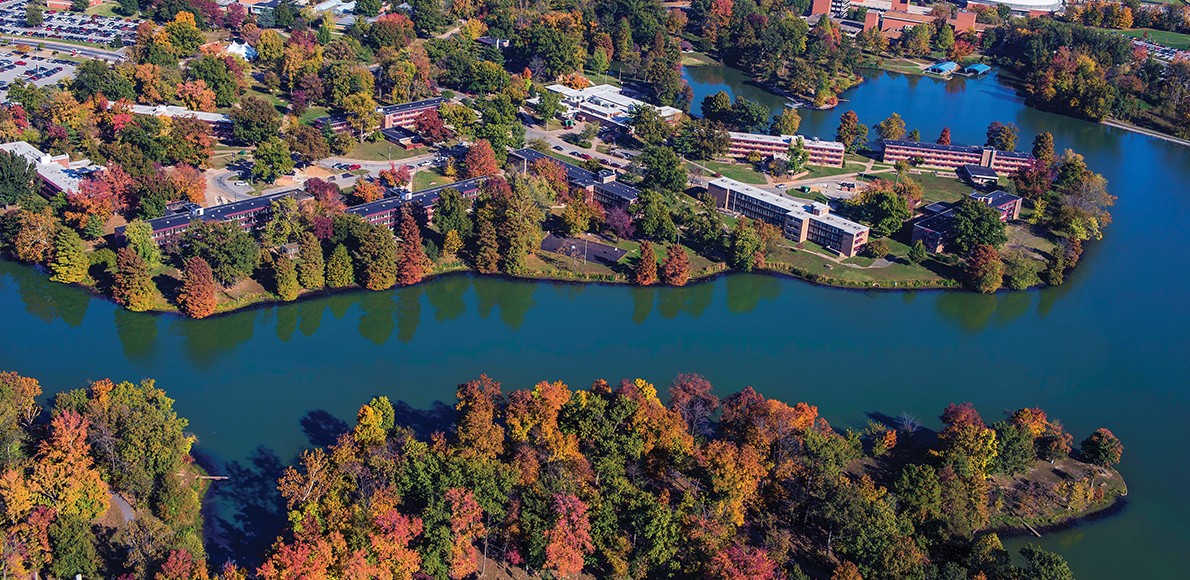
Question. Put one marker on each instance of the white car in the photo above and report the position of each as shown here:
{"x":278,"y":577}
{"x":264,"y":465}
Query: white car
{"x":241,"y":184}
{"x":781,"y":186}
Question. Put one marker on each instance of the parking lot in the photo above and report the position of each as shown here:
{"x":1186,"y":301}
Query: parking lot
{"x":1158,"y":51}
{"x":72,"y":26}
{"x":38,"y":69}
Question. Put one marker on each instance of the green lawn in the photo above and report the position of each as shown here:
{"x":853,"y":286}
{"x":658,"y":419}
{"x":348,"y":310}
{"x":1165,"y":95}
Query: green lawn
{"x":428,"y":178}
{"x":738,"y":171}
{"x":381,"y":150}
{"x":312,"y":113}
{"x":815,"y":171}
{"x":938,"y":188}
{"x":1170,"y":39}
{"x":105,"y":9}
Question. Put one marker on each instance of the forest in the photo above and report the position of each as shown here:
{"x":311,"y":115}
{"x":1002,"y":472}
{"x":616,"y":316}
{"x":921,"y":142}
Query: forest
{"x":608,"y":481}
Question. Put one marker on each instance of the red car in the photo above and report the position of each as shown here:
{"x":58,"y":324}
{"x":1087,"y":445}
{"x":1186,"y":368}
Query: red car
{"x":354,"y":166}
{"x":20,"y":63}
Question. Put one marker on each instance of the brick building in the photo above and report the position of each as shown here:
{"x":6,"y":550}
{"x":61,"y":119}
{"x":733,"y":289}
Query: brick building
{"x":799,"y":220}
{"x":824,"y":153}
{"x":955,"y":156}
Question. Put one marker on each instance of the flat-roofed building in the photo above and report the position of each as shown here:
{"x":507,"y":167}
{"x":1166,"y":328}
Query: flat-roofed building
{"x":405,"y":115}
{"x":55,"y":173}
{"x":824,"y":153}
{"x":955,"y":156}
{"x":979,"y":175}
{"x":601,"y":185}
{"x":935,"y":228}
{"x":607,"y":104}
{"x":249,"y":214}
{"x":386,"y":211}
{"x":799,"y":220}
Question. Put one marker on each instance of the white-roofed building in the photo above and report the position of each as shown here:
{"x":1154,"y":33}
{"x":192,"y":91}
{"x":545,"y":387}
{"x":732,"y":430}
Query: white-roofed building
{"x":56,"y":172}
{"x":606,"y":104}
{"x":799,"y":220}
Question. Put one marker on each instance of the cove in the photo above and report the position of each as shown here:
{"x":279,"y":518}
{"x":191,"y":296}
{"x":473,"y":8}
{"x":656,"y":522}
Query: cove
{"x":1106,"y":349}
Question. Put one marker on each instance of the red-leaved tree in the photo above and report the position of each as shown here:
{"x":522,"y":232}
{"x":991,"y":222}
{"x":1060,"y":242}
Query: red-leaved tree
{"x":570,"y":538}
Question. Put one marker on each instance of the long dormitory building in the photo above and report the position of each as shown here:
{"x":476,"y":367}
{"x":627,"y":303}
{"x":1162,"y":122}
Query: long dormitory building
{"x":955,"y":156}
{"x":824,"y":153}
{"x":799,"y":220}
{"x":602,"y":184}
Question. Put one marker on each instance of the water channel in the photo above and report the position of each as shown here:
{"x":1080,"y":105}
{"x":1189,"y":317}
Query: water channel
{"x":1109,"y":348}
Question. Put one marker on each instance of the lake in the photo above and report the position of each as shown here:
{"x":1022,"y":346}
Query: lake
{"x":1109,"y":348}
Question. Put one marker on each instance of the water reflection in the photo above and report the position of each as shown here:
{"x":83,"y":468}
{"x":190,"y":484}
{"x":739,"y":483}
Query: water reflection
{"x":744,"y":293}
{"x":447,"y":297}
{"x":514,"y":299}
{"x":137,"y":333}
{"x":48,"y":301}
{"x":287,"y":319}
{"x":642,"y":302}
{"x":205,"y":340}
{"x":377,"y":318}
{"x":692,"y":300}
{"x":310,"y":316}
{"x":408,"y":312}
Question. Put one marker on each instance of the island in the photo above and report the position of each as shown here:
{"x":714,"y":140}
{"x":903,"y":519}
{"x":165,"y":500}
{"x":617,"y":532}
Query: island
{"x":557,"y":482}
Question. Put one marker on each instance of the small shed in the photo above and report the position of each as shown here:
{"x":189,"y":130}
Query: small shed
{"x":943,"y":68}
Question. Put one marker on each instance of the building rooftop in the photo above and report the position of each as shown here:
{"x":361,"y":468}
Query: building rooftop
{"x":981,"y":171}
{"x":608,"y":102}
{"x":175,"y":111}
{"x":425,"y":197}
{"x":978,"y":68}
{"x":412,"y":106}
{"x":998,"y":198}
{"x":801,"y":209}
{"x":955,"y":148}
{"x":57,"y":170}
{"x":216,"y":213}
{"x":619,"y":190}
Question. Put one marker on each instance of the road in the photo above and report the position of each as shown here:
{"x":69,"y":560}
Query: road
{"x":108,"y":55}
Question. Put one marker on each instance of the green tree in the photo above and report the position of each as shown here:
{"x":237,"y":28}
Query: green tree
{"x":1021,"y":270}
{"x":73,"y":545}
{"x":138,"y":235}
{"x":744,"y":245}
{"x":97,"y":77}
{"x":254,"y":121}
{"x":1102,"y":448}
{"x":653,"y":219}
{"x":340,"y":272}
{"x":450,"y":213}
{"x":1002,"y":136}
{"x":549,"y":104}
{"x":375,"y":259}
{"x":367,"y":8}
{"x":429,"y":16}
{"x":663,"y":170}
{"x":851,"y":133}
{"x":786,"y":122}
{"x":230,"y":251}
{"x":311,"y":271}
{"x":919,"y":493}
{"x":917,"y":252}
{"x":286,"y":279}
{"x":748,"y":116}
{"x":976,"y":223}
{"x":884,"y":209}
{"x":702,"y":139}
{"x":1043,"y":565}
{"x":272,"y":159}
{"x":18,"y":179}
{"x":34,"y":14}
{"x":717,"y":107}
{"x":648,"y":126}
{"x":70,"y":263}
{"x":1015,"y":452}
{"x":133,"y":287}
{"x":891,"y":128}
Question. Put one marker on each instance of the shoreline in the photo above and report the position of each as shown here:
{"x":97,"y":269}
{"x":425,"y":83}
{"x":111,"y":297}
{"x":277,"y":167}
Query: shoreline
{"x":1111,"y":510}
{"x":1117,"y":124}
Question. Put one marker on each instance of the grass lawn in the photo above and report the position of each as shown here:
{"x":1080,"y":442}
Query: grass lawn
{"x":898,"y":274}
{"x":428,"y":178}
{"x":312,"y":113}
{"x":602,"y":79}
{"x":1170,"y":39}
{"x":815,"y":171}
{"x":939,"y":188}
{"x":698,"y":59}
{"x":737,"y":171}
{"x":105,"y":9}
{"x":381,"y":150}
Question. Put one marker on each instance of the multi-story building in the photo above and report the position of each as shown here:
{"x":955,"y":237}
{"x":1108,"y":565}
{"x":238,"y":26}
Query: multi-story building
{"x":55,"y":173}
{"x":386,"y":212}
{"x":249,"y":214}
{"x":601,"y":185}
{"x":934,"y":229}
{"x":954,"y":156}
{"x":405,"y":115}
{"x":825,"y":153}
{"x":607,"y":104}
{"x":799,"y":220}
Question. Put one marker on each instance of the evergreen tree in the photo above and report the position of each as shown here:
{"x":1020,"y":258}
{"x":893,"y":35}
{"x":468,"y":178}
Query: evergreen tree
{"x":1055,"y":270}
{"x":412,"y":260}
{"x":70,"y":263}
{"x":917,"y":252}
{"x":286,"y":279}
{"x":340,"y":272}
{"x":133,"y":288}
{"x":200,"y":293}
{"x":676,"y":270}
{"x":376,"y":259}
{"x":487,"y":247}
{"x":646,"y":267}
{"x":311,"y":270}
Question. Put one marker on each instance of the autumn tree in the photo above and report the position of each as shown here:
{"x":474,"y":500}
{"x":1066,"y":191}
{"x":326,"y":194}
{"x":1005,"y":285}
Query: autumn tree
{"x":64,"y":475}
{"x":196,"y":96}
{"x":138,"y":235}
{"x":200,"y":293}
{"x":412,"y":260}
{"x":738,"y":562}
{"x":1102,"y":448}
{"x":985,"y":270}
{"x":892,"y":128}
{"x":486,"y":254}
{"x":466,"y":526}
{"x":675,"y":271}
{"x":690,"y":396}
{"x":480,"y":160}
{"x":645,"y":273}
{"x":569,"y":540}
{"x":133,"y":287}
{"x":366,"y":191}
{"x":34,"y":238}
{"x":70,"y":262}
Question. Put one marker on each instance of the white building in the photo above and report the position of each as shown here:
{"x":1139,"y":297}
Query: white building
{"x":606,"y":104}
{"x":57,"y":172}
